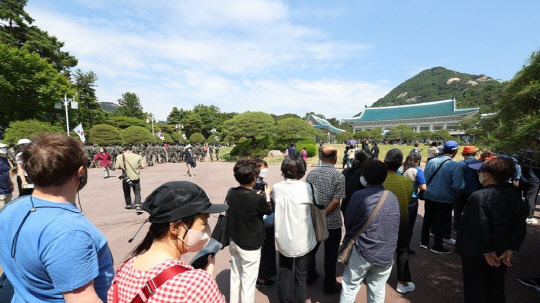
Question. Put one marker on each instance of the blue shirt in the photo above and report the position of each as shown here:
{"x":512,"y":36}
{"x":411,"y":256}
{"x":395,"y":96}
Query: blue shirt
{"x":419,"y":179}
{"x":58,"y":250}
{"x":447,"y":183}
{"x":377,"y":243}
{"x":470,"y":176}
{"x":4,"y":176}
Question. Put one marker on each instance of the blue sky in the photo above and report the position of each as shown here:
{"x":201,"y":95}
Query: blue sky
{"x":330,"y":57}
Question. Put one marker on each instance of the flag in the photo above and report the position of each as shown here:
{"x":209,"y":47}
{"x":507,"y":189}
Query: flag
{"x":80,"y":132}
{"x":160,"y":135}
{"x":184,"y":136}
{"x":216,"y":137}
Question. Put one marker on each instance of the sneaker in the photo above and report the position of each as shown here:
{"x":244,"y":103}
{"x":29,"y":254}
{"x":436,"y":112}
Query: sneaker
{"x":405,"y":289}
{"x":139,"y":210}
{"x":531,"y":221}
{"x":335,"y":290}
{"x":128,"y":206}
{"x":267,"y":283}
{"x":451,"y":241}
{"x":440,"y":250}
{"x":534,"y":282}
{"x":424,"y":246}
{"x":411,"y":252}
{"x":431,"y":234}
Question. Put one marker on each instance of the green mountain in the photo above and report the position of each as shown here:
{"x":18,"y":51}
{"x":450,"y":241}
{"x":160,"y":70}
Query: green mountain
{"x":439,"y":83}
{"x":108,"y":106}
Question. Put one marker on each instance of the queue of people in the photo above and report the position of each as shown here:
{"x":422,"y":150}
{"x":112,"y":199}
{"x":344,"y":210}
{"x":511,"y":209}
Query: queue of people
{"x":376,"y":201}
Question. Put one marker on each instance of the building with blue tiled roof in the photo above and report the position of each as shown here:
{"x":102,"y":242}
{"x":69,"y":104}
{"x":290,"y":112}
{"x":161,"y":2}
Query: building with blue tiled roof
{"x":325,"y":126}
{"x":430,"y":116}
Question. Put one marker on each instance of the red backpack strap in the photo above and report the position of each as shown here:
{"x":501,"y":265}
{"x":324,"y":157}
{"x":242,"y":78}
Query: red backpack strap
{"x":151,"y":286}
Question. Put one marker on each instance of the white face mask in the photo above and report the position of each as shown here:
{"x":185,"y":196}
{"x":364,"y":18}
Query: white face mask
{"x":363,"y":181}
{"x":481,"y":178}
{"x":263,"y":173}
{"x":197,"y":239}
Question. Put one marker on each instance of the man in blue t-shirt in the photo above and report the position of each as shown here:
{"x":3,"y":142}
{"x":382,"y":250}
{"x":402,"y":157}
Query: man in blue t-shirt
{"x":50,"y":252}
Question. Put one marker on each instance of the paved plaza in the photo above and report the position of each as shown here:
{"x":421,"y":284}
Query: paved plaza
{"x":437,"y":277}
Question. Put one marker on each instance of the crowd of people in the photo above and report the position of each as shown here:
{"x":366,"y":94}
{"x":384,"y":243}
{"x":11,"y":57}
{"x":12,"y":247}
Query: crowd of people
{"x":55,"y":254}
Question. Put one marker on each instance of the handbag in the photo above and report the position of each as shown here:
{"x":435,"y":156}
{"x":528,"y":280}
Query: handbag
{"x":318,"y":216}
{"x":221,"y":230}
{"x":345,"y":250}
{"x":6,"y":289}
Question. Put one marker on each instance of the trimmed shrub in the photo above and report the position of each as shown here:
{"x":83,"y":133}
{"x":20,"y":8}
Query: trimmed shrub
{"x":311,"y":147}
{"x":197,"y":138}
{"x":103,"y":134}
{"x":26,"y":128}
{"x":137,"y":135}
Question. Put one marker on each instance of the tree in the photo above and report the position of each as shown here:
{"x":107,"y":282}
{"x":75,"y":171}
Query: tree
{"x":375,"y":134}
{"x":176,"y":115}
{"x":25,"y":129}
{"x":211,"y":140}
{"x":252,"y":125}
{"x":320,"y":135}
{"x":284,"y":116}
{"x":401,"y":132}
{"x":196,"y":138}
{"x":137,"y":135}
{"x":359,"y":135}
{"x":29,"y":87}
{"x":442,"y":134}
{"x":210,"y":116}
{"x":16,"y":30}
{"x":168,"y":138}
{"x":130,"y":106}
{"x":192,"y":123}
{"x":122,"y":122}
{"x":312,"y":113}
{"x":516,"y":126}
{"x":89,"y":108}
{"x":425,"y":135}
{"x":344,"y":136}
{"x":293,"y":130}
{"x":104,"y":134}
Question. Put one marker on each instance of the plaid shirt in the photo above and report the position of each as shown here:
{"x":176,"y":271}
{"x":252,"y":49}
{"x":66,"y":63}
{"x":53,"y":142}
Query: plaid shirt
{"x":194,"y":285}
{"x":330,"y":184}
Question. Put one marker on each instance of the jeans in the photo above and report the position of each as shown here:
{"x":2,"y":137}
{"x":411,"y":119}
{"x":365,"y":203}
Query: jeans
{"x":331,"y":246}
{"x":482,"y":283}
{"x":358,"y":269}
{"x":439,"y":215}
{"x":136,"y":190}
{"x":244,"y":270}
{"x":285,"y":273}
{"x":402,"y":255}
{"x":530,"y":191}
{"x":413,"y":213}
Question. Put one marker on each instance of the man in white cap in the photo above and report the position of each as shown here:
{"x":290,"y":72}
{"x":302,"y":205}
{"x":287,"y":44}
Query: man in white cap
{"x":190,"y":159}
{"x":6,"y":184}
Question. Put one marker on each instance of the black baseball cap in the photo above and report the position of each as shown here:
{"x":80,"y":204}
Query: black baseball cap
{"x":176,"y":200}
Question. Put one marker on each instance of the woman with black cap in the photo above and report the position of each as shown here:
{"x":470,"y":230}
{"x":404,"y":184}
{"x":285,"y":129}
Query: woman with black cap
{"x":179,"y":214}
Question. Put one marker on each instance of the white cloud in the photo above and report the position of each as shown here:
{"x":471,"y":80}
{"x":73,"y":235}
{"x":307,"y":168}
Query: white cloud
{"x":237,"y":55}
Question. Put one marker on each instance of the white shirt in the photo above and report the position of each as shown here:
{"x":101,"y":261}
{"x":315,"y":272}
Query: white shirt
{"x":293,"y":225}
{"x":18,"y":159}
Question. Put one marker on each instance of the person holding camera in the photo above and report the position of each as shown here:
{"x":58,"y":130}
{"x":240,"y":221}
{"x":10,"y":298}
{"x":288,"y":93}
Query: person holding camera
{"x":131,"y":165}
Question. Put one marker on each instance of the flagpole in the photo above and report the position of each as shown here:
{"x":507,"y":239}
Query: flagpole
{"x":67,"y":117}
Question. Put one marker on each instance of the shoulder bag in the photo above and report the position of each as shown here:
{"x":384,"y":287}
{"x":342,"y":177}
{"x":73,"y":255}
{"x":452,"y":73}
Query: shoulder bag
{"x":421,"y":192}
{"x":6,"y":289}
{"x":151,"y":286}
{"x":318,"y":216}
{"x":221,"y":230}
{"x":345,"y":250}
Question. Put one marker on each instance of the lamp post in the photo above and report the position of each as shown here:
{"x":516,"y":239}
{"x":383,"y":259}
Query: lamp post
{"x":179,"y":127}
{"x":149,"y":119}
{"x":66,"y":102}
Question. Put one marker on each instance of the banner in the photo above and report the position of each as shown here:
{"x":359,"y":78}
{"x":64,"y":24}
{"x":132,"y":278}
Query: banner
{"x":160,"y":135}
{"x":80,"y":132}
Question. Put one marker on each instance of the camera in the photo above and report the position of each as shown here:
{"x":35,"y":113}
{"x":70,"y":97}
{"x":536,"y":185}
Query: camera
{"x":126,"y":179}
